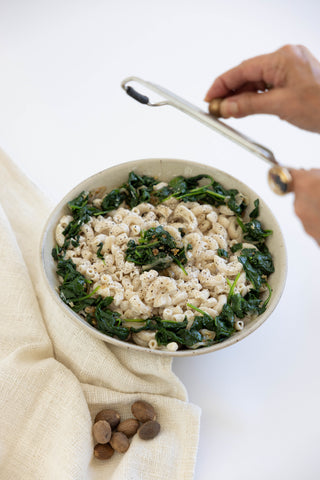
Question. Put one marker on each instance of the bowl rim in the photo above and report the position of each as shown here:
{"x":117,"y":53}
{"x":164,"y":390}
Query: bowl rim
{"x":235,"y":338}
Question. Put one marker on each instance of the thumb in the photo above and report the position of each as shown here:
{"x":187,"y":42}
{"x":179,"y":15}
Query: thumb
{"x":249,"y":103}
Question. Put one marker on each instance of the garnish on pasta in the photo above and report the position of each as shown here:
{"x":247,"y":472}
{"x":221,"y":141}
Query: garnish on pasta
{"x":156,"y":249}
{"x":164,"y":265}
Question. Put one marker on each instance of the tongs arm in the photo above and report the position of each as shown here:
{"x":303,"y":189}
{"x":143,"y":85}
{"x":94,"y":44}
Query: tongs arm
{"x":195,"y":112}
{"x":279,"y":177}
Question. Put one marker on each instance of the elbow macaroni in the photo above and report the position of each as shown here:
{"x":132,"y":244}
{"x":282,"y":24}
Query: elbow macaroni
{"x":139,"y":294}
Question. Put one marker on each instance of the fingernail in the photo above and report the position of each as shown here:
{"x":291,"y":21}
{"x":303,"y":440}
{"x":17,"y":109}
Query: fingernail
{"x":229,"y":108}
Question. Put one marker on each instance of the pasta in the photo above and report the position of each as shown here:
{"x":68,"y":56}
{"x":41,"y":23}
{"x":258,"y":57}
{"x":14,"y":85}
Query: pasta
{"x":173,"y":294}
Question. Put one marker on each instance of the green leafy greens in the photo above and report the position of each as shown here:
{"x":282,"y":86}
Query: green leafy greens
{"x":213,"y":193}
{"x":257,"y":265}
{"x":157,"y":249}
{"x":81,"y":211}
{"x":253,"y":231}
{"x":222,"y":253}
{"x":167,"y":331}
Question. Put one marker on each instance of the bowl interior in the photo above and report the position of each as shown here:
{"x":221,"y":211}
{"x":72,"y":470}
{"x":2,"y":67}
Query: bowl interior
{"x":165,"y":169}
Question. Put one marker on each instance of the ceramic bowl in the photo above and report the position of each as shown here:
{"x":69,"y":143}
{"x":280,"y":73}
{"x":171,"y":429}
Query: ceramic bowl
{"x":165,"y":169}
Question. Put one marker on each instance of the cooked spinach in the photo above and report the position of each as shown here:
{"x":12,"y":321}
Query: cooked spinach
{"x":222,"y":324}
{"x":249,"y":304}
{"x":183,"y":337}
{"x":138,"y":189}
{"x":75,"y":292}
{"x":253,"y":231}
{"x":222,"y":253}
{"x":75,"y":288}
{"x":179,"y":186}
{"x":257,"y":265}
{"x":168,"y":331}
{"x":156,"y":249}
{"x":236,"y":247}
{"x":189,"y":190}
{"x":109,"y":322}
{"x":81,"y":211}
{"x":99,"y":254}
{"x":256,"y":211}
{"x":113,"y":200}
{"x":232,"y":286}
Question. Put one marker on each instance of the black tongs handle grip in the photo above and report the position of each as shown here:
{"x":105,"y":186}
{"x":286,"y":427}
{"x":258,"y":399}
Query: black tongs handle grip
{"x":136,"y":95}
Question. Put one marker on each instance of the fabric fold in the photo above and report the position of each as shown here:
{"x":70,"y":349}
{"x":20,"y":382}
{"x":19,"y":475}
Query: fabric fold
{"x":55,"y":376}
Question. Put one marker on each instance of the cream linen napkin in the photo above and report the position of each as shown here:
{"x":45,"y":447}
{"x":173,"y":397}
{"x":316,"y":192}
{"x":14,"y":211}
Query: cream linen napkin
{"x":55,"y":377}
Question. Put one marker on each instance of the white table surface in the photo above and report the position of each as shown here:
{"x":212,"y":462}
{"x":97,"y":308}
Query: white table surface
{"x":64,"y":117}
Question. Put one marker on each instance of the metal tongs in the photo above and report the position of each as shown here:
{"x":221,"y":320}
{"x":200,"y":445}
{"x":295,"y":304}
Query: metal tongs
{"x":279,"y":177}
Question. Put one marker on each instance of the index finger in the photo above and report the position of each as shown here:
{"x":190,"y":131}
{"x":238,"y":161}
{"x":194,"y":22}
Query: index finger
{"x":257,"y":69}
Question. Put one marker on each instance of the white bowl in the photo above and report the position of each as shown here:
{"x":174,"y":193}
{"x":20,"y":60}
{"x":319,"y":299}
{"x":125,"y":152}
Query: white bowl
{"x":165,"y":169}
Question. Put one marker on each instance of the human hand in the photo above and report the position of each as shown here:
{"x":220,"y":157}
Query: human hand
{"x":284,"y":83}
{"x":306,"y":186}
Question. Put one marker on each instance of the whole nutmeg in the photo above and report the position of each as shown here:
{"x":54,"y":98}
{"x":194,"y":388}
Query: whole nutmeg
{"x":129,"y":427}
{"x":103,"y":452}
{"x":149,"y":430}
{"x":102,"y":431}
{"x":110,"y":416}
{"x":214,"y":107}
{"x":143,"y":411}
{"x":119,"y":442}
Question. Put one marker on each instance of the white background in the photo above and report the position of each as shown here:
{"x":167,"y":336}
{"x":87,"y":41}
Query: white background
{"x":64,"y":117}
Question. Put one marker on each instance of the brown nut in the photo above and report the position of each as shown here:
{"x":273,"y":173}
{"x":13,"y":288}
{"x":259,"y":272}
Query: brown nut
{"x":110,"y":416}
{"x":143,"y":411}
{"x":103,"y":452}
{"x":214,"y":107}
{"x":129,"y":427}
{"x":149,"y":430}
{"x":119,"y":442}
{"x":102,"y":431}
